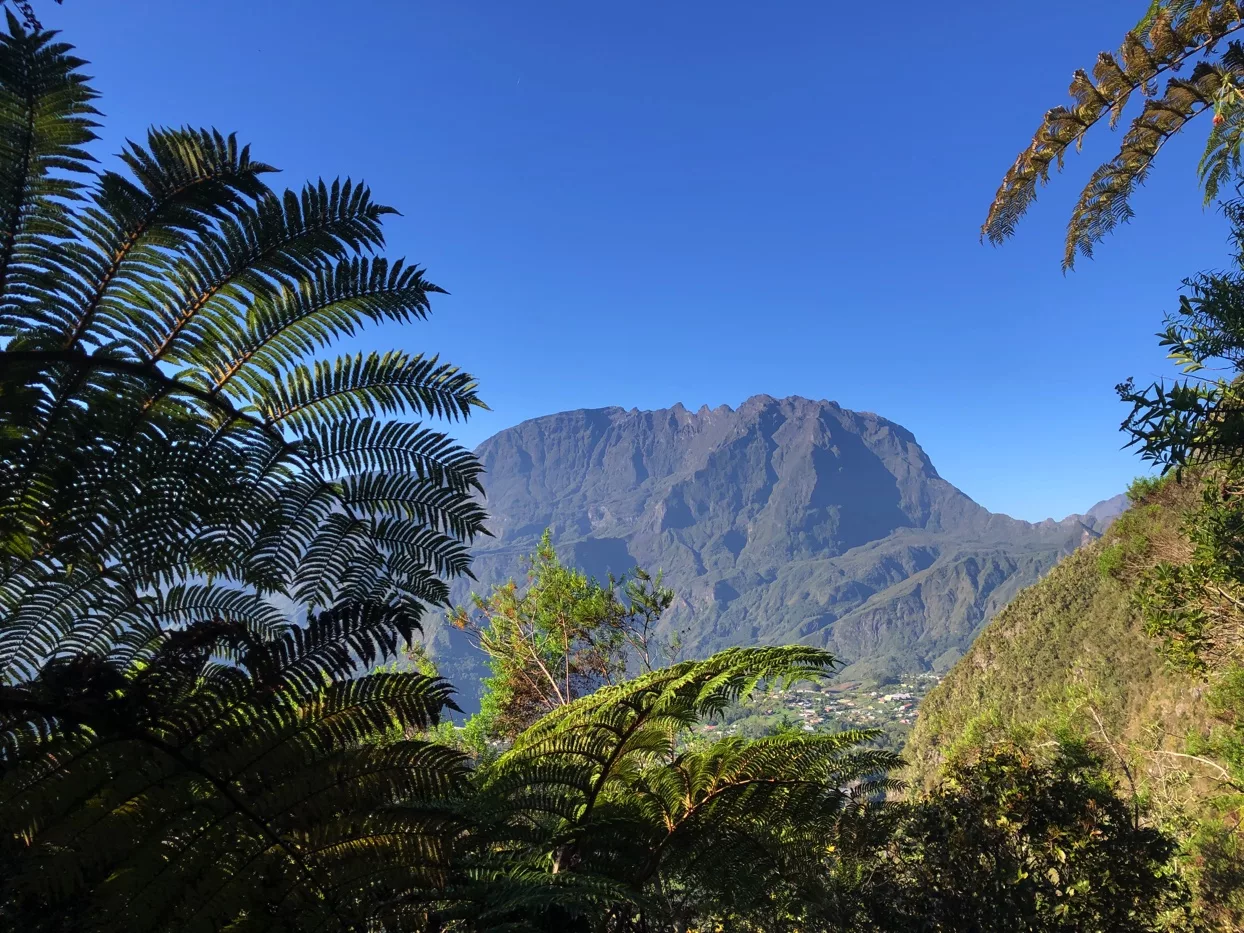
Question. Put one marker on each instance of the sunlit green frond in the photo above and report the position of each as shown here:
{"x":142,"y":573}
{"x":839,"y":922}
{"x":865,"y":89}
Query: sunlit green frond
{"x":1106,"y":199}
{"x":367,"y":384}
{"x":607,"y":788}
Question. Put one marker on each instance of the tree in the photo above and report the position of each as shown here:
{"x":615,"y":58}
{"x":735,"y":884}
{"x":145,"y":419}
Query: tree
{"x":207,"y":530}
{"x":561,"y":638}
{"x":1009,"y":843}
{"x":1197,"y":420}
{"x":651,"y":834}
{"x":1192,"y":36}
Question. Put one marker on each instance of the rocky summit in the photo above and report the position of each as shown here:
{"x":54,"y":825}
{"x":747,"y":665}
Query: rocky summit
{"x":783,"y":520}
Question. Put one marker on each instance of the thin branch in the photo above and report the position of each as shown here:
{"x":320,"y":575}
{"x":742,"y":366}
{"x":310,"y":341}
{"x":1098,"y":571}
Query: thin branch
{"x":1122,"y":764}
{"x":1226,"y":775}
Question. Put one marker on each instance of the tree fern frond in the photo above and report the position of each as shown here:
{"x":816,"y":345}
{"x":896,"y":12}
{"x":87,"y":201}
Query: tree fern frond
{"x":1105,"y":201}
{"x":183,"y":177}
{"x":365,"y":445}
{"x":47,"y":117}
{"x":1171,"y":35}
{"x":284,"y":325}
{"x":364,"y":385}
{"x":251,"y":255}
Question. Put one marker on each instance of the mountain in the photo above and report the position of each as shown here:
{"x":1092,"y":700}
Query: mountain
{"x":1106,"y":511}
{"x":783,"y":520}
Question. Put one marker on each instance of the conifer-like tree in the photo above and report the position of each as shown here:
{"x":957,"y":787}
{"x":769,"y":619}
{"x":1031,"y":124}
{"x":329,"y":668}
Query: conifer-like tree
{"x":561,"y":637}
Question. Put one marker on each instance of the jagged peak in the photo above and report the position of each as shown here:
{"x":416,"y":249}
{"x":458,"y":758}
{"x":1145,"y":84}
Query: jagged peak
{"x":747,"y":407}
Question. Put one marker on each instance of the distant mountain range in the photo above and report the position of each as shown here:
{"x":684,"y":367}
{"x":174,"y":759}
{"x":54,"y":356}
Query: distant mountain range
{"x":784,"y":520}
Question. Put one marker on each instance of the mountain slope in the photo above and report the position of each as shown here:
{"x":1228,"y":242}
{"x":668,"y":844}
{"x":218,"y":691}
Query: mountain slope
{"x":783,"y":520}
{"x":1070,"y":657}
{"x":1071,"y":645}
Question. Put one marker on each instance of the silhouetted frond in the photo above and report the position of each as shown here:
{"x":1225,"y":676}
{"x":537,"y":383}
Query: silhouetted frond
{"x":209,"y":535}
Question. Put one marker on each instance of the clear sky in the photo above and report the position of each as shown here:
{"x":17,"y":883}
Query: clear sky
{"x":644,"y":203}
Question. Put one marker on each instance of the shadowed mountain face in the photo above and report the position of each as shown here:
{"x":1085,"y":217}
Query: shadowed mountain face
{"x":783,"y":520}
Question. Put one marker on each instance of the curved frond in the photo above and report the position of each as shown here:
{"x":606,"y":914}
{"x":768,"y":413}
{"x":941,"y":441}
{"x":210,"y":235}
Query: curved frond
{"x":46,"y":108}
{"x":1175,"y":33}
{"x":364,"y":385}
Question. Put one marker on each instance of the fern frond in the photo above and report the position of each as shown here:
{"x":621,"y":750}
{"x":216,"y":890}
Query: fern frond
{"x":1170,"y":36}
{"x":47,"y":111}
{"x":364,"y":385}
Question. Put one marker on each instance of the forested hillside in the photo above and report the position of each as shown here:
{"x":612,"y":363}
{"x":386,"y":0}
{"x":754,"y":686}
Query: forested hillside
{"x":1076,"y":656}
{"x":1072,"y":645}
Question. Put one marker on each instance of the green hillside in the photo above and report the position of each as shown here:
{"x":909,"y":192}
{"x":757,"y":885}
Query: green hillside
{"x":1070,"y":658}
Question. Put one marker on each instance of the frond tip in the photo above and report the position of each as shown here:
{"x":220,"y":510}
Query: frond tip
{"x":1172,"y":35}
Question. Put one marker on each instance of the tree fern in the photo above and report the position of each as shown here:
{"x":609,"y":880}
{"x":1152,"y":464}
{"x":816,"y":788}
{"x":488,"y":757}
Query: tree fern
{"x":1174,"y":35}
{"x":207,"y":532}
{"x":607,"y":787}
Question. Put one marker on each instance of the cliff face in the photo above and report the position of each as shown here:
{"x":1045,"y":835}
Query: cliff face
{"x":783,"y":520}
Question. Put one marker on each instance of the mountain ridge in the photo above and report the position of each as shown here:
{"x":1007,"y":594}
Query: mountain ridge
{"x":780,"y":520}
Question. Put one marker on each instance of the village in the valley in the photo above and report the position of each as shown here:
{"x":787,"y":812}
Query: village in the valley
{"x":831,"y":707}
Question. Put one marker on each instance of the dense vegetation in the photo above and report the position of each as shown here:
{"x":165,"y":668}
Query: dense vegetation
{"x":1006,"y":840}
{"x":1133,"y":645}
{"x":215,"y":540}
{"x":207,"y":532}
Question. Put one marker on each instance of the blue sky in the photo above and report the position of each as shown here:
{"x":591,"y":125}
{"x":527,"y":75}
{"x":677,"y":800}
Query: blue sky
{"x":644,"y":203}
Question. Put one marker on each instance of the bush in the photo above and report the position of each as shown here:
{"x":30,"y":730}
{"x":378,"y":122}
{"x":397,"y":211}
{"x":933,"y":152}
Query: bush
{"x":1009,"y":843}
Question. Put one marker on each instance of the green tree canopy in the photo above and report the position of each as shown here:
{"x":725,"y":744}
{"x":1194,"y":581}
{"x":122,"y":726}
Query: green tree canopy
{"x":559,"y":639}
{"x":1011,"y":843}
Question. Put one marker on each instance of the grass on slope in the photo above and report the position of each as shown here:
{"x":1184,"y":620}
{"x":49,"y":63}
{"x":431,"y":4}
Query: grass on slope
{"x":1069,"y":659}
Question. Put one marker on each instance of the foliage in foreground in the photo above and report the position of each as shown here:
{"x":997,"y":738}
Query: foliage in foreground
{"x":1195,"y":604}
{"x":1135,"y":644}
{"x":1187,"y":44}
{"x":1007,"y":842}
{"x":1184,"y":591}
{"x":607,"y":788}
{"x":206,"y":530}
